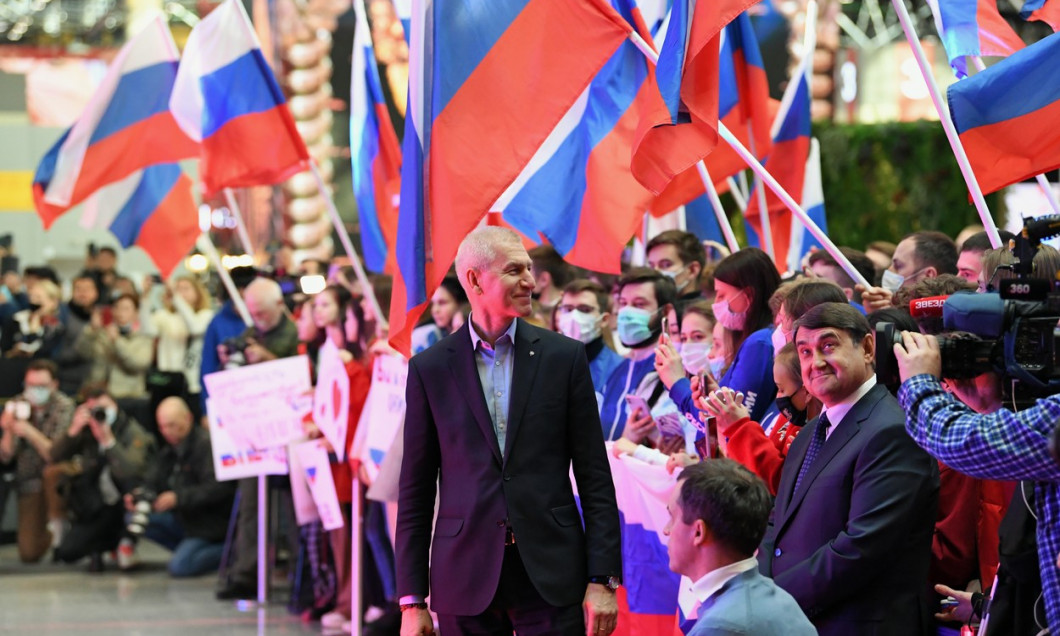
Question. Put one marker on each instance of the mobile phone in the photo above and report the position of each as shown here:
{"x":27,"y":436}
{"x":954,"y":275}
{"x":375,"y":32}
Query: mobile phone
{"x":948,"y":602}
{"x":707,"y":445}
{"x":637,"y":402}
{"x":665,"y":321}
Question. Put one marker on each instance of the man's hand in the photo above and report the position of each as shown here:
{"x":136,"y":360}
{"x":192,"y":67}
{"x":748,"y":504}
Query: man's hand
{"x":101,"y":432}
{"x":668,"y":363}
{"x":601,"y":610}
{"x":256,"y":353}
{"x":639,"y":426}
{"x":165,"y":501}
{"x":127,"y":499}
{"x":80,"y":420}
{"x":918,"y":354}
{"x":416,"y":622}
{"x":874,"y":298}
{"x":961,"y":612}
{"x":680,"y":460}
{"x":623,"y":446}
{"x":727,"y":408}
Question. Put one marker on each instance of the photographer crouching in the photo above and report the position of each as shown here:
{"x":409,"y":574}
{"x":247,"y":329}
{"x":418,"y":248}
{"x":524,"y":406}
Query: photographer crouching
{"x":1002,"y":445}
{"x":181,"y":505}
{"x":103,"y":454}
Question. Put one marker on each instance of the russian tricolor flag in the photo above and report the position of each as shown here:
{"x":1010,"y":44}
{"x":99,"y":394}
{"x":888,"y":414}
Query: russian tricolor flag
{"x":125,"y":127}
{"x":1006,"y":116}
{"x":1042,"y":11}
{"x":681,"y":128}
{"x":375,"y":154}
{"x":577,"y":192}
{"x":972,"y":28}
{"x":488,"y":83}
{"x":152,"y":208}
{"x":787,"y":163}
{"x":226,"y":97}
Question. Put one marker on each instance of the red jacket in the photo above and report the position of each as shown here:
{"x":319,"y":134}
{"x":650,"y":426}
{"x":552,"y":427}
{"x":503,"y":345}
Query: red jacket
{"x":761,"y":454}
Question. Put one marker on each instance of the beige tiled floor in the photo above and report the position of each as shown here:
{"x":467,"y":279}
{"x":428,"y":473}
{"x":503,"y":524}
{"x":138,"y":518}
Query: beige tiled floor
{"x":52,"y":598}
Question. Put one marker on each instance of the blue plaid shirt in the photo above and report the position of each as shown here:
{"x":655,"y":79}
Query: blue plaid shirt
{"x":1002,"y":446}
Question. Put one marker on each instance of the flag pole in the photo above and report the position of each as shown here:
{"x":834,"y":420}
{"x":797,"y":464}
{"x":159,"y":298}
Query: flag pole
{"x":715,"y":202}
{"x":241,"y":227}
{"x":206,"y":246}
{"x":1043,"y":183}
{"x":947,"y":124}
{"x":708,"y":183}
{"x":763,"y":205}
{"x":347,"y":245}
{"x":795,"y":208}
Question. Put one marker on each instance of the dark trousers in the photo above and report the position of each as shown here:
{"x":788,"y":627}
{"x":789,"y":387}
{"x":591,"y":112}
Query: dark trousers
{"x":98,"y":534}
{"x":192,"y":556}
{"x":517,"y":607}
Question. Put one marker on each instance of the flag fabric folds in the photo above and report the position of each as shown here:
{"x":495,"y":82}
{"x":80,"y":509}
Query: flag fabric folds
{"x":577,"y":192}
{"x":126,"y":126}
{"x":226,"y":97}
{"x":1047,"y":11}
{"x":787,"y":163}
{"x":375,"y":154}
{"x":679,"y":126}
{"x":972,"y":27}
{"x":1006,"y":116}
{"x":488,"y":82}
{"x":152,"y":208}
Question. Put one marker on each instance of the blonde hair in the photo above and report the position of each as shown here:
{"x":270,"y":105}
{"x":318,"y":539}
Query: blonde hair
{"x":202,"y":298}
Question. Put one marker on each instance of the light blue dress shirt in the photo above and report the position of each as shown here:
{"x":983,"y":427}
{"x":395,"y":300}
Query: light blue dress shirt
{"x":495,"y":364}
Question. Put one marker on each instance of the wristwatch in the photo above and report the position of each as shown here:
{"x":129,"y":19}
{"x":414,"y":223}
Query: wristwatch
{"x":611,"y":582}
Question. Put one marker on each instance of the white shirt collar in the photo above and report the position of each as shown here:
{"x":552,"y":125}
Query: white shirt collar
{"x":475,"y":339}
{"x":837,"y":412}
{"x":697,"y":593}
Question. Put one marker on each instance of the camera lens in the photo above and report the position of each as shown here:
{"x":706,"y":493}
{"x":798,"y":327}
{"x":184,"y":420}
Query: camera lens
{"x":99,"y":414}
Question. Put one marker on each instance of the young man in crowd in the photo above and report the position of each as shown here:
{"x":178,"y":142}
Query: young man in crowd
{"x":681,"y":257}
{"x":582,"y":314}
{"x":920,"y":255}
{"x":718,"y":513}
{"x":551,"y":275}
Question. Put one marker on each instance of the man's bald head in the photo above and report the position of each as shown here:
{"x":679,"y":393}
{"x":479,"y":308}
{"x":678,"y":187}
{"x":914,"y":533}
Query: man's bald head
{"x":264,"y":300}
{"x":174,"y":420}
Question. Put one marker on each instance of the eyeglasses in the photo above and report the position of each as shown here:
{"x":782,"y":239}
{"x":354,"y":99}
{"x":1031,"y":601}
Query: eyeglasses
{"x":585,"y":309}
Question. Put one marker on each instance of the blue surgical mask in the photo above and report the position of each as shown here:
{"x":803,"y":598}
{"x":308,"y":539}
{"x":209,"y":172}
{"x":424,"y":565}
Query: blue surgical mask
{"x":717,"y":367}
{"x":892,"y":281}
{"x":633,"y":326}
{"x":37,"y":395}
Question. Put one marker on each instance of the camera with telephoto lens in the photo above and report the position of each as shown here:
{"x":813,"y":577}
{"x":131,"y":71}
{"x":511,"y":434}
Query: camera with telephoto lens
{"x":99,"y":414}
{"x":235,"y":348}
{"x":1012,"y":331}
{"x":143,"y":500}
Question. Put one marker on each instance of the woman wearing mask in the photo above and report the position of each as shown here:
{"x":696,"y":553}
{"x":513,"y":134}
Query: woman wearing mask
{"x":743,"y":284}
{"x":688,"y":354}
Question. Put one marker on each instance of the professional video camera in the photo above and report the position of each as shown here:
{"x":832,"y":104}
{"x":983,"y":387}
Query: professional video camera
{"x":1013,"y":331}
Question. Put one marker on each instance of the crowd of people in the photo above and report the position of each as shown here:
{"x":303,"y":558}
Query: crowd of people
{"x":860,"y":503}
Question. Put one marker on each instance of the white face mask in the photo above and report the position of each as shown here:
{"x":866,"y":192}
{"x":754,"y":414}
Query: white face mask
{"x":892,"y":281}
{"x":694,"y":356}
{"x":717,"y":367}
{"x":579,"y":325}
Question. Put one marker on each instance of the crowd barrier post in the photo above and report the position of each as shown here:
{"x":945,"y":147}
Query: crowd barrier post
{"x":263,"y":537}
{"x":947,"y":124}
{"x":347,"y":245}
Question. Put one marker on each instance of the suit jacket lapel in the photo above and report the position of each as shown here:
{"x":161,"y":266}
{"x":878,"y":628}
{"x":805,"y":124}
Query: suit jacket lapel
{"x":524,"y":369}
{"x":836,"y":441}
{"x":462,"y":363}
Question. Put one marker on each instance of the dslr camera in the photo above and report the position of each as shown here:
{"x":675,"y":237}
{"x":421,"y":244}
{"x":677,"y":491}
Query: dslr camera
{"x":143,"y":499}
{"x":1012,"y":331}
{"x":235,"y":348}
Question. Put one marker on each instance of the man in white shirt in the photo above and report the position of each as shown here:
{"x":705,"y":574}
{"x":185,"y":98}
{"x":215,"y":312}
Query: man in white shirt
{"x":718,"y":514}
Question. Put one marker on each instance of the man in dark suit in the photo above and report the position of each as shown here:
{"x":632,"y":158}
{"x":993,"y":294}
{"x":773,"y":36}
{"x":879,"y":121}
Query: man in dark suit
{"x":850,"y":536}
{"x":498,"y":413}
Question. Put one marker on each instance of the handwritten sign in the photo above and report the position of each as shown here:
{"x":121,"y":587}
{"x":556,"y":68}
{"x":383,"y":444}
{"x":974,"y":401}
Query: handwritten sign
{"x":263,"y":405}
{"x":314,"y":470}
{"x":234,"y":461}
{"x":331,"y":400}
{"x":384,"y":412}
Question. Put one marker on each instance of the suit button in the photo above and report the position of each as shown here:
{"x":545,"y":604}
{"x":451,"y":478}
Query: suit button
{"x":507,"y":477}
{"x":777,"y":552}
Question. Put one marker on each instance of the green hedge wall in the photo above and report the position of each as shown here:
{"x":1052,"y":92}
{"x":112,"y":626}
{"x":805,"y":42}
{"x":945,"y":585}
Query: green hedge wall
{"x":882,"y":181}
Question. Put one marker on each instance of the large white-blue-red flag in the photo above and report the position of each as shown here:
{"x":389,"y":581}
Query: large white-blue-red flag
{"x":787,"y":163}
{"x":1006,"y":116}
{"x":972,"y":28}
{"x":226,"y":98}
{"x":578,"y":192}
{"x":488,"y":83}
{"x":375,"y":154}
{"x":152,"y":208}
{"x":126,"y":126}
{"x":682,"y":128}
